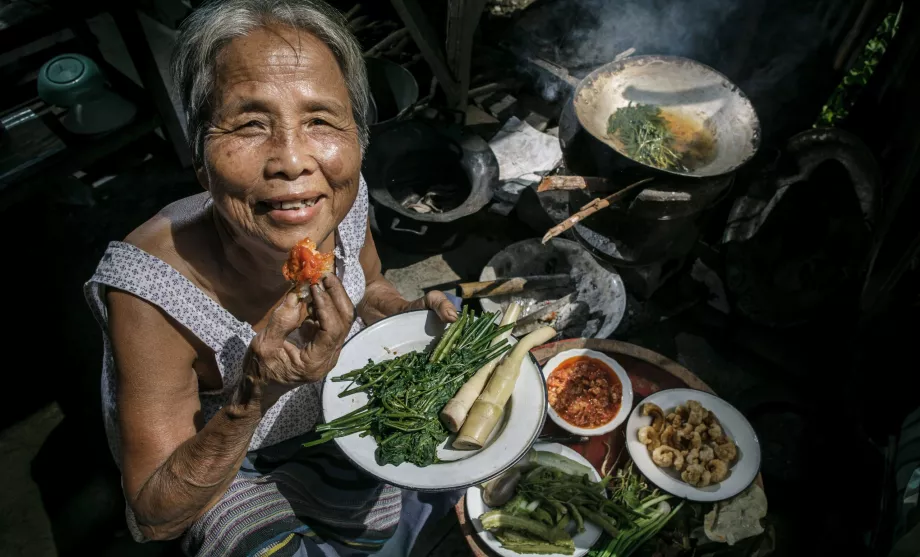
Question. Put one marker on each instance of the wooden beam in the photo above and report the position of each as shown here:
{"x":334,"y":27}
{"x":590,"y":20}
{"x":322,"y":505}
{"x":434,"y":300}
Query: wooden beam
{"x":462,"y":20}
{"x":428,"y":43}
{"x":135,"y":39}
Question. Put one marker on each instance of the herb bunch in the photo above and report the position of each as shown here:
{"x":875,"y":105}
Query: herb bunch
{"x":645,"y":136}
{"x":406,"y":393}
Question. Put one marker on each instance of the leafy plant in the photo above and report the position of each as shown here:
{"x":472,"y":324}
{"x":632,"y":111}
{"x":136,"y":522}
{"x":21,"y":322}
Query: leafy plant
{"x":844,"y":96}
{"x":406,"y":393}
{"x":645,"y":136}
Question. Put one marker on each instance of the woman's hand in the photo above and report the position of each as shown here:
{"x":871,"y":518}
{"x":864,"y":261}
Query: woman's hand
{"x":436,"y":301}
{"x":274,"y":365}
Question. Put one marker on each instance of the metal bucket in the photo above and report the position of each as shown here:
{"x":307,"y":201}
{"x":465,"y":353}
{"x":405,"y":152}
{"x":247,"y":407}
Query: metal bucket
{"x":393,"y":90}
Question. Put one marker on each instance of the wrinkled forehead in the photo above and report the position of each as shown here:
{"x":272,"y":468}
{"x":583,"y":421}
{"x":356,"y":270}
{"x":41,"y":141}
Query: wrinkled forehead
{"x":277,"y":55}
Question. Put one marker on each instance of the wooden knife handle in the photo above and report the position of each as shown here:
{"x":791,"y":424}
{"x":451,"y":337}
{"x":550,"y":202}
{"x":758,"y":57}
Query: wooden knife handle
{"x":512,"y":285}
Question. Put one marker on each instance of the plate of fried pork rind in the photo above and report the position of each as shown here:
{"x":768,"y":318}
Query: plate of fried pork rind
{"x":693,"y":444}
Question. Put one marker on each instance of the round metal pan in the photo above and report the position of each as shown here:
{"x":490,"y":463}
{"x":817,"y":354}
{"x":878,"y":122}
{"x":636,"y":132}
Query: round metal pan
{"x":680,"y":85}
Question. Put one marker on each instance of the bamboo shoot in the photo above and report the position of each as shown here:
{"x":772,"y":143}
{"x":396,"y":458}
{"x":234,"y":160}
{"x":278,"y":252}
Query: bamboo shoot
{"x":489,"y":407}
{"x":455,"y":411}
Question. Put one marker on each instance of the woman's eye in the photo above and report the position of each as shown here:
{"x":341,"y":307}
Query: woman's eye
{"x":253,"y":124}
{"x":318,"y":122}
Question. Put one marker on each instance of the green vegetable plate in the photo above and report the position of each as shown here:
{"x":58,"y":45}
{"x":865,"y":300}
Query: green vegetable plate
{"x":476,"y":507}
{"x":413,"y":367}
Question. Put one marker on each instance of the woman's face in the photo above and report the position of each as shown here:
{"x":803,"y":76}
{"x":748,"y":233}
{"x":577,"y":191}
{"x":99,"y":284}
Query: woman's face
{"x":282,"y":155}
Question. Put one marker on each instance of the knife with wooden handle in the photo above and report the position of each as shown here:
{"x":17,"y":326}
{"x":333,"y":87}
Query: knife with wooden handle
{"x":512,"y":285}
{"x":542,"y":317}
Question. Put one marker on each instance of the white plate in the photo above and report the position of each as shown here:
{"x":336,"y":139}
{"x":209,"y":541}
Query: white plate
{"x":475,"y":507}
{"x":734,"y":425}
{"x":419,"y":330}
{"x":625,"y":404}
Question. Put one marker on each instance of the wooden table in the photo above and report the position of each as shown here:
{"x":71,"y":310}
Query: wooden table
{"x":648,"y":371}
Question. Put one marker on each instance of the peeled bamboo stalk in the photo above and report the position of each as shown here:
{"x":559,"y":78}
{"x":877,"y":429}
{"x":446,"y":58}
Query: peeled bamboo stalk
{"x":487,"y":411}
{"x":589,"y":209}
{"x":455,"y":411}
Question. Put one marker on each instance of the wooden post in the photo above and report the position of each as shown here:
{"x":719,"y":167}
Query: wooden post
{"x":135,"y":39}
{"x":428,"y":43}
{"x":462,"y":20}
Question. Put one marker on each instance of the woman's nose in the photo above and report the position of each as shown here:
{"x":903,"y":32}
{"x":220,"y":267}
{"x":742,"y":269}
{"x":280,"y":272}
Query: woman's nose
{"x":290,"y":158}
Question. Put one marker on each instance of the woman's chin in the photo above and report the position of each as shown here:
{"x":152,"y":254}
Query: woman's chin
{"x":285,"y":238}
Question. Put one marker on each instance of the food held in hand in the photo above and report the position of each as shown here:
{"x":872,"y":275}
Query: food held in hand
{"x":690,"y":440}
{"x":585,"y":392}
{"x":306,"y":266}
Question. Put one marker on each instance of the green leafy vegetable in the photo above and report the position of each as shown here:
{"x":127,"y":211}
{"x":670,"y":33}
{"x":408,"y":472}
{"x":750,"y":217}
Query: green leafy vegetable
{"x":649,"y":510}
{"x":550,"y":502}
{"x":855,"y":80}
{"x":645,"y":136}
{"x":406,"y":393}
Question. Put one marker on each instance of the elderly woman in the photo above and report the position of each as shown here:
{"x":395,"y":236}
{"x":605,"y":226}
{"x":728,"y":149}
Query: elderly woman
{"x":212,"y":368}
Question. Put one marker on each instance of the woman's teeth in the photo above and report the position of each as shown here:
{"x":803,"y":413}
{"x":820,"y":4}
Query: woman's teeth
{"x":288,"y":205}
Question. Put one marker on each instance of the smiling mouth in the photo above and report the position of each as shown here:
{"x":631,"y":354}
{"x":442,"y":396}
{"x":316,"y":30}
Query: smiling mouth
{"x":288,"y":205}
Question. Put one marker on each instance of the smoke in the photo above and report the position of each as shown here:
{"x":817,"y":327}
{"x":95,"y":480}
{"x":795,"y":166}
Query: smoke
{"x":586,"y":33}
{"x":776,"y":51}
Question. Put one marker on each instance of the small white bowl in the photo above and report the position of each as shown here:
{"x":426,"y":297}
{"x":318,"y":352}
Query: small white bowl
{"x":625,"y":403}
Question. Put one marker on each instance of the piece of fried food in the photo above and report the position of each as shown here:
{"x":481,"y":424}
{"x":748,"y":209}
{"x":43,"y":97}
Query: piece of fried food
{"x":306,"y":266}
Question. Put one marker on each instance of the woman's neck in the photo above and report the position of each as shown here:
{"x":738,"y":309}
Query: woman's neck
{"x":250,"y":260}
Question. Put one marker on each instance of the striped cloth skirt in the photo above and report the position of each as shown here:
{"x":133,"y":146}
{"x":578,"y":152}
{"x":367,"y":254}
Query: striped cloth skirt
{"x":290,"y":501}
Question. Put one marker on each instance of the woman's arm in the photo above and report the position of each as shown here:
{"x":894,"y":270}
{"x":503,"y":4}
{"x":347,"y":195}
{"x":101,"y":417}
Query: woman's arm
{"x":173,"y":473}
{"x":381,"y":299}
{"x":174,"y":467}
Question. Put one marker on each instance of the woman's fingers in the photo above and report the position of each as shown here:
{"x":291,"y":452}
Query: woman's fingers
{"x":340,"y":299}
{"x":325,"y":314}
{"x":438,"y":302}
{"x":284,"y":320}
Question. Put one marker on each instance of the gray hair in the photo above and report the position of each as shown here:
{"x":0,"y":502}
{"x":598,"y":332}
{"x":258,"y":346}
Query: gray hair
{"x":212,"y":26}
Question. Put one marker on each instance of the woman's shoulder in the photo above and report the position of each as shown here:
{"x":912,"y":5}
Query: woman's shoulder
{"x":176,"y":229}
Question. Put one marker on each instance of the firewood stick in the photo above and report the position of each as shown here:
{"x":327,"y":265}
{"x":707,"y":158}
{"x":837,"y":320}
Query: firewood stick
{"x":589,"y":209}
{"x":358,"y":23}
{"x":352,"y":11}
{"x":554,"y":183}
{"x":412,"y":61}
{"x":393,"y":37}
{"x":398,"y":48}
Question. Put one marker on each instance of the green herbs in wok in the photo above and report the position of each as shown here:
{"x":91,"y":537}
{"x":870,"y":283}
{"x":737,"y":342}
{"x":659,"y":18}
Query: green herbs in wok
{"x":646,"y":137}
{"x":406,"y":393}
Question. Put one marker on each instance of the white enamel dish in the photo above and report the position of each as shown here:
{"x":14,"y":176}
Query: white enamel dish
{"x":419,"y":330}
{"x":475,"y":507}
{"x":625,"y":403}
{"x":734,"y":424}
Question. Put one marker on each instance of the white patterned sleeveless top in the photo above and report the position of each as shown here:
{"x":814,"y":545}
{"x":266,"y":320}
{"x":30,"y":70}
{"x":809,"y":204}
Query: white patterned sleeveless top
{"x":133,"y":270}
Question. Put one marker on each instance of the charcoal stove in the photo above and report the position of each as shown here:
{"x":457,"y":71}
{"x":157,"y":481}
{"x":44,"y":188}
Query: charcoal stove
{"x":416,"y":165}
{"x":648,"y":236}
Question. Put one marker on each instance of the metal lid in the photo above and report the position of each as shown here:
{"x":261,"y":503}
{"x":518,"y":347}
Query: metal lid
{"x":65,"y":69}
{"x":69,"y":79}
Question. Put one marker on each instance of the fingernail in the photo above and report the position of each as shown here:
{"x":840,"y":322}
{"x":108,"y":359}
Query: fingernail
{"x":291,"y":300}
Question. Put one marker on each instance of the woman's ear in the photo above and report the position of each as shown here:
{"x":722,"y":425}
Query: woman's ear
{"x":203,"y":179}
